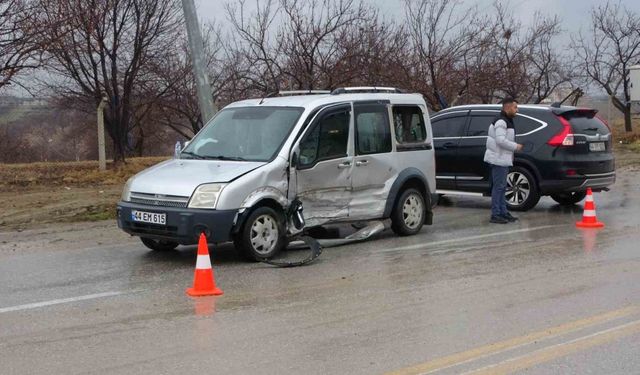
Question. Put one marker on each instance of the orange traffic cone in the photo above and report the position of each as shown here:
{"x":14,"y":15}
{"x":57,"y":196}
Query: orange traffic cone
{"x":204,"y":283}
{"x":589,"y":219}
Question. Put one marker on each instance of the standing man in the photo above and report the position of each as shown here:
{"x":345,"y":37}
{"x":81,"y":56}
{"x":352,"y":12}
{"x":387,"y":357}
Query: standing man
{"x":500,"y":148}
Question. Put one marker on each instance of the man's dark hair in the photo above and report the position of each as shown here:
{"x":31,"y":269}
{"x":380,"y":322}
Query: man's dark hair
{"x":508,"y":100}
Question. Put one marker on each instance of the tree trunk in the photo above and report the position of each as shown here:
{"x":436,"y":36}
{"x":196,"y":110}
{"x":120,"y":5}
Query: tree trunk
{"x":627,"y":118}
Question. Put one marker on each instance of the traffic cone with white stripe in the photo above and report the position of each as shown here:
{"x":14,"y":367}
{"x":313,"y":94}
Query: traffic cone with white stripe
{"x":589,"y":219}
{"x":204,"y":283}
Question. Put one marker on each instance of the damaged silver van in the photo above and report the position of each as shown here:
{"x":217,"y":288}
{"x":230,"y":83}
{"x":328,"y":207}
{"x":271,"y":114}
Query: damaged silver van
{"x":267,"y":169}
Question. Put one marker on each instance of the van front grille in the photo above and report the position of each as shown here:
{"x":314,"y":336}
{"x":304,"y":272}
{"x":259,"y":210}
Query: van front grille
{"x":159,"y":200}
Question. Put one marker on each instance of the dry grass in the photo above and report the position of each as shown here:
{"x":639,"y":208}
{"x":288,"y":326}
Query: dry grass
{"x":626,"y":144}
{"x":39,"y":193}
{"x":74,"y":174}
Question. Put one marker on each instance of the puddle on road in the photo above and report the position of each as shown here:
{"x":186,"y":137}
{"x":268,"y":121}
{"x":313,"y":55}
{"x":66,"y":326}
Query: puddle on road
{"x":589,"y":239}
{"x":204,"y":306}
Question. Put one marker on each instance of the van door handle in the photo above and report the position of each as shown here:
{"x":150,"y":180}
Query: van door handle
{"x":344,"y":165}
{"x":360,"y":163}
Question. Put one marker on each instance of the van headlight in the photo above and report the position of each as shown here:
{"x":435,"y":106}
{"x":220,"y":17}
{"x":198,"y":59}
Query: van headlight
{"x":206,"y":196}
{"x":126,"y":191}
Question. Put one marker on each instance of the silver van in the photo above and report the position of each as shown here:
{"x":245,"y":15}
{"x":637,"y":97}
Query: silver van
{"x":264,"y":170}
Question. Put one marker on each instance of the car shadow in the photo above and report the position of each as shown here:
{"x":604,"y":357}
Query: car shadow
{"x":557,"y":208}
{"x":187,"y":254}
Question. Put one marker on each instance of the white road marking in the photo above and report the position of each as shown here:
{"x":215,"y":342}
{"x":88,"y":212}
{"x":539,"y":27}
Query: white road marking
{"x":470,"y":238}
{"x":36,"y":305}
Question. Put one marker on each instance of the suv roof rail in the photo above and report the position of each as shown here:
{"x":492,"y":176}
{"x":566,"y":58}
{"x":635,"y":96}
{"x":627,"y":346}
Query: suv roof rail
{"x":366,"y":89}
{"x":304,"y":92}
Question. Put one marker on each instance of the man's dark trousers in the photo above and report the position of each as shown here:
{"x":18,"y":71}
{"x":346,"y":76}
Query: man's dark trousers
{"x":498,"y":189}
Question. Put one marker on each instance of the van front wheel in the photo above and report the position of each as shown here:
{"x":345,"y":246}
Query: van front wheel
{"x":263,"y":235}
{"x":409,"y":213}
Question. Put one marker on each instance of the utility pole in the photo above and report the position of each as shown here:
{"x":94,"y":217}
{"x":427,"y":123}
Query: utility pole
{"x":205,"y":98}
{"x":102,"y":159}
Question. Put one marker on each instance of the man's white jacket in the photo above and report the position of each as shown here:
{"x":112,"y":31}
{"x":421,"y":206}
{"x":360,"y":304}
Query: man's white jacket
{"x":500,"y":144}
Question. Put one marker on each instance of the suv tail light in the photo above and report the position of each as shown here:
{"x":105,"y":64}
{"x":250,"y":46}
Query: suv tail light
{"x":564,"y":137}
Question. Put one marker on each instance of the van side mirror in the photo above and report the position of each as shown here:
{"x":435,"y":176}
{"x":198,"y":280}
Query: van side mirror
{"x":294,"y":160}
{"x":176,"y":150}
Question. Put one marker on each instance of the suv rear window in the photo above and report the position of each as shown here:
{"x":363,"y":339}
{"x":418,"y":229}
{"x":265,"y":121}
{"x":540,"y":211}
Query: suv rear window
{"x":586,"y":123}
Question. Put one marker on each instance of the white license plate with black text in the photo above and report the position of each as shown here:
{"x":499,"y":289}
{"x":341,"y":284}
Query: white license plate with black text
{"x":148,"y":217}
{"x":597,"y":146}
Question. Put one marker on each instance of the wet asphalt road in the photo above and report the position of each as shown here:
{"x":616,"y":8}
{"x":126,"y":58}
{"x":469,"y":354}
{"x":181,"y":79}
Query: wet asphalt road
{"x":538,"y":296}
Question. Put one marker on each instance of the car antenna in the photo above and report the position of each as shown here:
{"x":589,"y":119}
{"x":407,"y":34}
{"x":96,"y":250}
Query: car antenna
{"x":273,"y":93}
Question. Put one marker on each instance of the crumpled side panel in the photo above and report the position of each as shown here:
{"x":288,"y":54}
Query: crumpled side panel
{"x":322,"y":206}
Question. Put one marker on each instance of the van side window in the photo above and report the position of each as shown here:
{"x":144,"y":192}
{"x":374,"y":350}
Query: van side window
{"x":448,"y":126}
{"x":327,"y":140}
{"x":408,"y":122}
{"x":372,"y":128}
{"x":479,"y":126}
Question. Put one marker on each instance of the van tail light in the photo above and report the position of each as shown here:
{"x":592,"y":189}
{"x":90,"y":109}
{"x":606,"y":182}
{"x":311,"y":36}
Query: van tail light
{"x":564,"y":136}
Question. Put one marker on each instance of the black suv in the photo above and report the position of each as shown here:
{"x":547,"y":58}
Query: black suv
{"x":566,"y":150}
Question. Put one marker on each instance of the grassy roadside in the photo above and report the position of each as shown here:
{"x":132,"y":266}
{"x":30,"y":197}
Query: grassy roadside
{"x":42,"y":193}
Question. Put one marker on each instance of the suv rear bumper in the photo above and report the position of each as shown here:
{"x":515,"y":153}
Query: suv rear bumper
{"x":581,"y":183}
{"x":183,"y":225}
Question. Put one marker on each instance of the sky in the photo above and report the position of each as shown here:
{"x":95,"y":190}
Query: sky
{"x":573,"y":13}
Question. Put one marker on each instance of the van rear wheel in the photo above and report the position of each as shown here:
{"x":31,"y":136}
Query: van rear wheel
{"x":262,"y":236}
{"x":409,"y":213}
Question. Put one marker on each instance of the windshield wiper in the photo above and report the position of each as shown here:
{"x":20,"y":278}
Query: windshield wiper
{"x":222,"y":157}
{"x":195,"y":156}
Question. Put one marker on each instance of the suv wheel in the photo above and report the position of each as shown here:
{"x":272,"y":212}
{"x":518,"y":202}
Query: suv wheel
{"x":158,"y":245}
{"x":569,"y":198}
{"x":522,"y":190}
{"x":263,"y":235}
{"x":409,"y":213}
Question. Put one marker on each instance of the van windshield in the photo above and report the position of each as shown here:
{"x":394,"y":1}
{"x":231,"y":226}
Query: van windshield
{"x":243,"y":134}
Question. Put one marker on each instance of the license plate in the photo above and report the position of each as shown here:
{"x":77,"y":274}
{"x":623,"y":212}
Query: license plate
{"x":148,"y":217}
{"x":596,"y":146}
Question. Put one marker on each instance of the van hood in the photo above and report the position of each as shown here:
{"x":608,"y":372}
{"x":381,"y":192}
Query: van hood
{"x":180,"y":177}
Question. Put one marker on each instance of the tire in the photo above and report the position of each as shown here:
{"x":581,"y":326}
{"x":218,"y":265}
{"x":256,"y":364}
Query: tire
{"x":158,"y":245}
{"x":569,"y":198}
{"x":262,"y":236}
{"x":409,"y":213}
{"x":522,"y":190}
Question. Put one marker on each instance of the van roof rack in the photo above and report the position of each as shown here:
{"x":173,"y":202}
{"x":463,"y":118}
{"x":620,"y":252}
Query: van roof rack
{"x":303,"y":92}
{"x":366,"y":89}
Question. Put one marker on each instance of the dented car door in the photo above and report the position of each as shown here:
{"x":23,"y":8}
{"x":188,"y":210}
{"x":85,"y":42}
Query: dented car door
{"x":324,"y":165}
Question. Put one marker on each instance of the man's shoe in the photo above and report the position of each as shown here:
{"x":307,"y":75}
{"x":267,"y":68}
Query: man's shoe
{"x":498,"y":220}
{"x":510,"y":218}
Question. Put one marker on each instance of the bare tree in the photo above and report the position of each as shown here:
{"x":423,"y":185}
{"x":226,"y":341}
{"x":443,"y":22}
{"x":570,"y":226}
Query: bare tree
{"x":607,"y":52}
{"x":19,"y":36}
{"x":442,"y":35}
{"x":178,"y":107}
{"x":300,"y":44}
{"x":104,"y":48}
{"x":529,"y":66}
{"x":547,"y":68}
